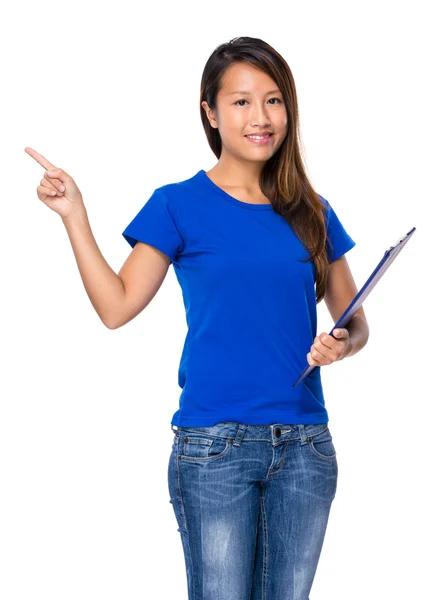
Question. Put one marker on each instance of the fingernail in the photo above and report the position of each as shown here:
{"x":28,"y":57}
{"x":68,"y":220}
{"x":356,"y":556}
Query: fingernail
{"x":62,"y":188}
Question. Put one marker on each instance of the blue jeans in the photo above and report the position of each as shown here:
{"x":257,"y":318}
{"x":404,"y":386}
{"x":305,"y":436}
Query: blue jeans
{"x":252,"y":503}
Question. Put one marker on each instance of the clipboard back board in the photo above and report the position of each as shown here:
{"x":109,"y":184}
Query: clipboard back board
{"x":388,"y":258}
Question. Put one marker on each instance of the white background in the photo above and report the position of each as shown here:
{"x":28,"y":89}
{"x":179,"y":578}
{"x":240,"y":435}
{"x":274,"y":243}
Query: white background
{"x":110,"y":93}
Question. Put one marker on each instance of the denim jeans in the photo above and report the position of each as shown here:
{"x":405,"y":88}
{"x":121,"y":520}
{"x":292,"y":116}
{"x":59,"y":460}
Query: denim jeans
{"x":252,"y":504}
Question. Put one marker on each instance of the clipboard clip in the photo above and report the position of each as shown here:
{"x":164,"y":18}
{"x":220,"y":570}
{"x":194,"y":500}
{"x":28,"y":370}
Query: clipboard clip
{"x":401,"y":239}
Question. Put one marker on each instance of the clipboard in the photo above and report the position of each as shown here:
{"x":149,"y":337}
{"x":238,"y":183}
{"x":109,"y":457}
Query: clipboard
{"x":388,"y":258}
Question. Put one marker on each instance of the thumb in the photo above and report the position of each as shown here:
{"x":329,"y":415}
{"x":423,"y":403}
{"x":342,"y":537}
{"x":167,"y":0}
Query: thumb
{"x":338,"y":332}
{"x":58,"y":173}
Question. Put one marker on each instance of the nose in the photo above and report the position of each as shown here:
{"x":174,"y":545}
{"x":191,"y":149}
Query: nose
{"x":258,"y":115}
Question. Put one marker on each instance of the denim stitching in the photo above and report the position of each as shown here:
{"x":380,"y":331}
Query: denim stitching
{"x":185,"y":534}
{"x":311,"y":440}
{"x":281,"y":464}
{"x":265,"y":552}
{"x":179,"y":486}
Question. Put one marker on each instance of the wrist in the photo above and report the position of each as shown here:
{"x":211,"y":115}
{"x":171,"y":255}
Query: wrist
{"x":78,"y":215}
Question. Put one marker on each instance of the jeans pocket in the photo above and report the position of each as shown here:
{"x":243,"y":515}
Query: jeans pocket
{"x":321,"y":445}
{"x":201,"y":448}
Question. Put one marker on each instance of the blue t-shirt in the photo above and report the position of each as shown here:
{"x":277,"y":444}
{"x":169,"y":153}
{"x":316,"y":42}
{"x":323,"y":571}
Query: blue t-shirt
{"x":250,"y":304}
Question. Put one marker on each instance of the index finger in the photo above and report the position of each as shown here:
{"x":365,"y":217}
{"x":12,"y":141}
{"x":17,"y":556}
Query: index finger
{"x":40,"y":159}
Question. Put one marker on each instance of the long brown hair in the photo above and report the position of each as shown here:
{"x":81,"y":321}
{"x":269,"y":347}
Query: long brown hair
{"x":283,"y":179}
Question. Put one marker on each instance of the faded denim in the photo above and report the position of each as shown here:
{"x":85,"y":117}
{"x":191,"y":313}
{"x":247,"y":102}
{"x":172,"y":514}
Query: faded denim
{"x":252,"y":504}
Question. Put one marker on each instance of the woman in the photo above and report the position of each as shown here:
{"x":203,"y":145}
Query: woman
{"x":253,"y":469}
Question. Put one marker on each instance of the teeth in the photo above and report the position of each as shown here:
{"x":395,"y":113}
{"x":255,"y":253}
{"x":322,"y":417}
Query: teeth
{"x":259,"y":137}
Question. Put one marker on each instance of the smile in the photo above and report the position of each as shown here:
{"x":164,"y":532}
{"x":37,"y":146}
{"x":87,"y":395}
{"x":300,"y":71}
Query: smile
{"x":259,"y":139}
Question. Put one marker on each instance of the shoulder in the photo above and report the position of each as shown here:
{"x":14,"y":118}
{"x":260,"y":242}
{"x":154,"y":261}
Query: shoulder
{"x":324,"y":201}
{"x":176,"y":190}
{"x":328,"y":210}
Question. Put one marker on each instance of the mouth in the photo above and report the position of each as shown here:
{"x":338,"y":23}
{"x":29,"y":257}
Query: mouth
{"x":259,"y":139}
{"x":259,"y":136}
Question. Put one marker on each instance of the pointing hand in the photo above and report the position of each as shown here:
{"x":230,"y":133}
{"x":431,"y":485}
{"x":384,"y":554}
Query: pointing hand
{"x":57,"y":190}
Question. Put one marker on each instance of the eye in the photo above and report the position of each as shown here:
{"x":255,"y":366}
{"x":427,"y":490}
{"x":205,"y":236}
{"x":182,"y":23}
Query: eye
{"x":278,"y":100}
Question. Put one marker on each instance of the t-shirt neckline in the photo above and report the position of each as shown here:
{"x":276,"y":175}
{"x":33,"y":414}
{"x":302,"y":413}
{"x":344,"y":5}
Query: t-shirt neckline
{"x":214,"y":187}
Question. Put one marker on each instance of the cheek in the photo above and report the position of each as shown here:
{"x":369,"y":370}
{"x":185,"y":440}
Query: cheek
{"x":232,"y":131}
{"x":284,"y":124}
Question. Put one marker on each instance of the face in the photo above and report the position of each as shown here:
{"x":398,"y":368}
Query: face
{"x":249,"y":102}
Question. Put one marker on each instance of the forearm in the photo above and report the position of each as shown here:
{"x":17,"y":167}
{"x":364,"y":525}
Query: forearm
{"x":103,"y":286}
{"x":359,"y":333}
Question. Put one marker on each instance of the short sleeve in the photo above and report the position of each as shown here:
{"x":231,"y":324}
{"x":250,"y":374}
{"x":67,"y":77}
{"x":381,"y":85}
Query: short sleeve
{"x":338,"y":239}
{"x":156,"y":224}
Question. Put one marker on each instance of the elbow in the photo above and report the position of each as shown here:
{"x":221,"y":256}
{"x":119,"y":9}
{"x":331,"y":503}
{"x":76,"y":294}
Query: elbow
{"x":109,"y":323}
{"x":112,"y":326}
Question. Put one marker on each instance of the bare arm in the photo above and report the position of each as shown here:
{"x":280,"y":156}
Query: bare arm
{"x":117,"y":298}
{"x":104,"y":288}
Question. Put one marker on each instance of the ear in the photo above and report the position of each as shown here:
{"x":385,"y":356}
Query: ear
{"x":209,"y":114}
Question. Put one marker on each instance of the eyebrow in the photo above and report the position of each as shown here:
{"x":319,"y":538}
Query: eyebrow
{"x":245,"y":92}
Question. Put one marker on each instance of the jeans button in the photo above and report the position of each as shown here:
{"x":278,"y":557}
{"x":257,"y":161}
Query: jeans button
{"x":277,"y":432}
